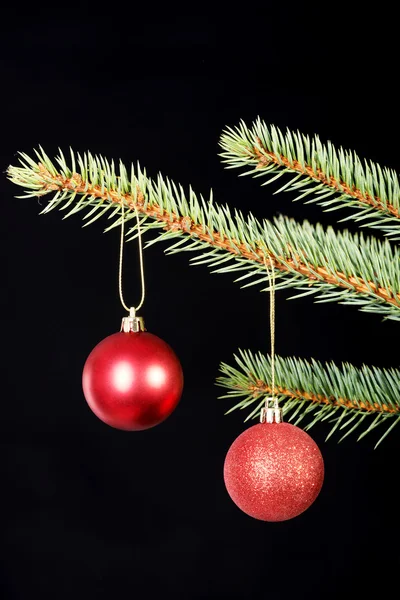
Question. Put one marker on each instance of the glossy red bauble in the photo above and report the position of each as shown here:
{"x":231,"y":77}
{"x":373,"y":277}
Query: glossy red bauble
{"x":274,"y":471}
{"x":132,"y":381}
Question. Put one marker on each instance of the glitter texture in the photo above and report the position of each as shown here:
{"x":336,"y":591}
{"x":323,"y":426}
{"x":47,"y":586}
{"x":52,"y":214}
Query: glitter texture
{"x":274,"y":471}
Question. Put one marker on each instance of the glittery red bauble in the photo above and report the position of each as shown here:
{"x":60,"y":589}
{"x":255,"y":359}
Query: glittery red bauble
{"x":274,"y":471}
{"x":132,"y":381}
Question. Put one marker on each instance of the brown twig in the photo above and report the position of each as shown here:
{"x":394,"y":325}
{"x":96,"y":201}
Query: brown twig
{"x":263,"y":388}
{"x":267,"y":157}
{"x":175,"y":223}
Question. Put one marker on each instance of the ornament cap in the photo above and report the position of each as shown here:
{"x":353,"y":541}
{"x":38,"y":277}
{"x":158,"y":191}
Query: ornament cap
{"x":271,"y":414}
{"x":132,"y":323}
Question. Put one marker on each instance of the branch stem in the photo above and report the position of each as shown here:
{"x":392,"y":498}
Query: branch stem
{"x":263,"y":388}
{"x":267,"y":157}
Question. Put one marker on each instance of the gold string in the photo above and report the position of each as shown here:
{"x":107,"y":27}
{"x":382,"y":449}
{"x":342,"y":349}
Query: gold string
{"x":121,"y":253}
{"x":271,"y":279}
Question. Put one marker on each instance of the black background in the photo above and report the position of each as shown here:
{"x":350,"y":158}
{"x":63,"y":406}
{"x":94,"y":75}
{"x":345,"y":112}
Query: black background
{"x":89,"y":511}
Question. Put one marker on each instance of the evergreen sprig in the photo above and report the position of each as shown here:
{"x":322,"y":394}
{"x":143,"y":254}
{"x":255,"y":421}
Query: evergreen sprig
{"x":342,"y":395}
{"x":333,"y":266}
{"x":319,"y":172}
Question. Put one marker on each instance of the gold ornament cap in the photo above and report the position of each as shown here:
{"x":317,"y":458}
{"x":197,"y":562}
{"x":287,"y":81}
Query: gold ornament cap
{"x":271,"y":414}
{"x":132,"y":323}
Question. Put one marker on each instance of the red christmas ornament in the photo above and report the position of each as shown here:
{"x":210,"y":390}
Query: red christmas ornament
{"x":132,"y":380}
{"x":274,"y":471}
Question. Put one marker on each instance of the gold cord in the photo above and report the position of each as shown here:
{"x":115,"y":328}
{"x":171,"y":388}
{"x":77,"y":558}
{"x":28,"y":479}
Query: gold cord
{"x":271,"y":279}
{"x":121,"y":253}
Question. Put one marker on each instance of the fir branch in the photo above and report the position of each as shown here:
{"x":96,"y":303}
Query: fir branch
{"x":334,"y":178}
{"x":341,"y":267}
{"x":343,"y":395}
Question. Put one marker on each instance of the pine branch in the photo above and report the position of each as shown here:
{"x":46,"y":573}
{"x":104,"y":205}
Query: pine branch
{"x":334,"y":178}
{"x":342,"y":267}
{"x":342,"y":395}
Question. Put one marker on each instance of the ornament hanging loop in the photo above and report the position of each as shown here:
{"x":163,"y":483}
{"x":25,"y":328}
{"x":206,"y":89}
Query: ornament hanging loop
{"x":273,"y":413}
{"x":132,"y":322}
